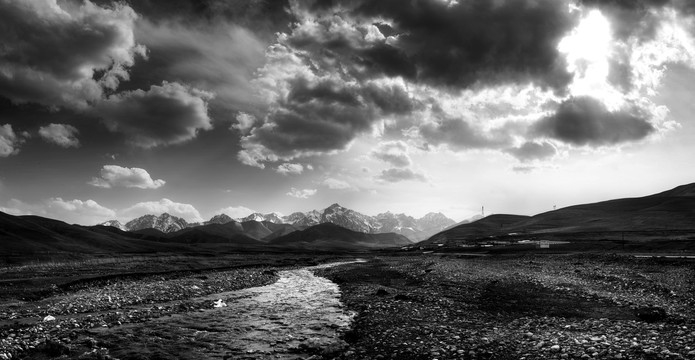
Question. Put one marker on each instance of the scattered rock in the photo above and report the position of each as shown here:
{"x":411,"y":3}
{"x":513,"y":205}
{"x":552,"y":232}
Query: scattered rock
{"x":49,"y":318}
{"x":650,"y":313}
{"x":55,"y":348}
{"x":382,"y":292}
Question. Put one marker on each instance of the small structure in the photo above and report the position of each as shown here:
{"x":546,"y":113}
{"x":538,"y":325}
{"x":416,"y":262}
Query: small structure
{"x":544,"y":244}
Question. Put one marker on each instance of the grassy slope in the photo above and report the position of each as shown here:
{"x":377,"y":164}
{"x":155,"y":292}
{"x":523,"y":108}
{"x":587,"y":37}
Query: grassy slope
{"x":670,"y":210}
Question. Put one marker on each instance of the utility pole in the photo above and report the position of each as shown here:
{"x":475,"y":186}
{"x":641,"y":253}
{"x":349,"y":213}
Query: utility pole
{"x":483,"y":211}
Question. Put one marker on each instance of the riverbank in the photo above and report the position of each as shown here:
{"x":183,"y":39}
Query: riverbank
{"x":551,"y":307}
{"x":48,"y":310}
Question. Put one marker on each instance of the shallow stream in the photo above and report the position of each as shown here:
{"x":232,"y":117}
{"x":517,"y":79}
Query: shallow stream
{"x":295,"y":317}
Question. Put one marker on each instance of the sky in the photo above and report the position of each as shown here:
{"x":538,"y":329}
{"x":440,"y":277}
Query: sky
{"x":116,"y":109}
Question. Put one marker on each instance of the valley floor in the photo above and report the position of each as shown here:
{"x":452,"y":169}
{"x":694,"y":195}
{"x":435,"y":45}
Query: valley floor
{"x":530,"y":307}
{"x":424,"y":306}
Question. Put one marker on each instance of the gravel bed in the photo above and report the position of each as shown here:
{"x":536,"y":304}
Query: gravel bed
{"x":51,"y":326}
{"x":570,"y":307}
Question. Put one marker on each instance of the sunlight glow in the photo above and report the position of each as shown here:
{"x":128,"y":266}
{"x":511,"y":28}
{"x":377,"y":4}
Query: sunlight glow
{"x":588,"y":49}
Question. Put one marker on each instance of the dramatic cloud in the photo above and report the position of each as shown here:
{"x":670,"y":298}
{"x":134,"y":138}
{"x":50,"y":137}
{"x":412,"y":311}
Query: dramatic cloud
{"x":462,"y":43}
{"x":336,"y":184}
{"x":530,"y":151}
{"x":301,"y":194}
{"x":458,"y":134}
{"x":236,"y":212}
{"x":244,"y":122}
{"x":313,"y":108}
{"x":9,"y":142}
{"x":117,"y":176}
{"x":637,"y":17}
{"x":60,"y":134}
{"x":401,"y":174}
{"x":587,"y":121}
{"x":316,"y":115}
{"x":87,"y":212}
{"x":289,"y":168}
{"x":261,"y":17}
{"x":394,"y":153}
{"x":64,"y":54}
{"x":163,"y":115}
{"x":462,"y":75}
{"x":218,"y":57}
{"x":185,"y":211}
{"x":343,"y":69}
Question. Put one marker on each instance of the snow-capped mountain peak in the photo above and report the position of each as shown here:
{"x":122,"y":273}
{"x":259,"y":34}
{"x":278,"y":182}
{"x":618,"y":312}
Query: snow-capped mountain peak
{"x":219,"y":219}
{"x":271,"y":217}
{"x":114,"y":223}
{"x":164,"y":222}
{"x":415,"y":229}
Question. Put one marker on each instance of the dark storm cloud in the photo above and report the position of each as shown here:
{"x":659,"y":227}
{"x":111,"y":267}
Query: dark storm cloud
{"x":530,"y":151}
{"x":463,"y":44}
{"x":163,"y":115}
{"x":587,"y":121}
{"x":314,"y":120}
{"x":458,"y":134}
{"x":321,"y":115}
{"x":66,"y":54}
{"x":264,"y":17}
{"x":363,"y":46}
{"x":391,"y":99}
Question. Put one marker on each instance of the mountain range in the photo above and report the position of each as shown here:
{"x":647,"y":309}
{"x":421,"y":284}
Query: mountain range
{"x":34,"y":236}
{"x":666,"y":215}
{"x":412,"y":228}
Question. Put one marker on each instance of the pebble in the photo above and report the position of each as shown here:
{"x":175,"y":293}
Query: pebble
{"x":102,"y":300}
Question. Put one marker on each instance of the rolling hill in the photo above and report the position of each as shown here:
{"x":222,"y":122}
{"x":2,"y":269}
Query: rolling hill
{"x":488,"y":226}
{"x":34,"y":234}
{"x":669,"y":210}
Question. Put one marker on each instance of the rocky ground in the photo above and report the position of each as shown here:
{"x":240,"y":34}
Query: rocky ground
{"x":552,"y":307}
{"x":407,"y":307}
{"x":52,"y":311}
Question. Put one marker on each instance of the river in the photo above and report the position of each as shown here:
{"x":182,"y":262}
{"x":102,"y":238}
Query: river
{"x":299,"y":315}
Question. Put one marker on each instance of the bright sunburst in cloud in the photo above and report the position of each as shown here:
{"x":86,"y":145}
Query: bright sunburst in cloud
{"x":588,"y":50}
